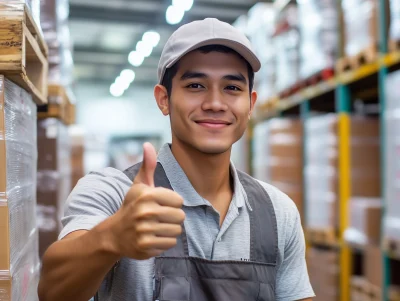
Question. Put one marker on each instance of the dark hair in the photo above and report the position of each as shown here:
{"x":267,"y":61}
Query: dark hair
{"x":171,"y":72}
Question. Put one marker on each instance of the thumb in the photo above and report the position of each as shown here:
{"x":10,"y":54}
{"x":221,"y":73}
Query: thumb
{"x":146,"y":171}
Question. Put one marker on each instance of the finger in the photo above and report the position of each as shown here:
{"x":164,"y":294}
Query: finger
{"x":167,"y":230}
{"x":148,"y":167}
{"x":166,"y":197}
{"x":170,"y":215}
{"x":154,"y":242}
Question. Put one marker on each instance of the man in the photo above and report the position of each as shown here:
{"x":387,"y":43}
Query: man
{"x":186,"y":225}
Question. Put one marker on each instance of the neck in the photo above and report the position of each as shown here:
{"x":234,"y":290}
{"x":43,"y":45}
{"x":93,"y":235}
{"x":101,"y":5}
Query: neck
{"x":209,"y":174}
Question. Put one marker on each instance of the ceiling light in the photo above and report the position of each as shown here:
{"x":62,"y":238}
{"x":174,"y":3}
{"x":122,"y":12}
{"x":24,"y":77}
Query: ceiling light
{"x":151,"y":37}
{"x":174,"y":14}
{"x":144,"y":48}
{"x":128,"y":75}
{"x":122,"y":82}
{"x":185,"y":5}
{"x":135,"y":58}
{"x":116,"y":91}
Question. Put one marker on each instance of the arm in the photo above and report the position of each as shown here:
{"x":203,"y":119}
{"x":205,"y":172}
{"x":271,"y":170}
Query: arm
{"x":146,"y":224}
{"x":74,"y":267}
{"x":292,"y":277}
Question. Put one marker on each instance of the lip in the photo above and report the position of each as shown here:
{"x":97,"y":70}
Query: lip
{"x":213,"y":123}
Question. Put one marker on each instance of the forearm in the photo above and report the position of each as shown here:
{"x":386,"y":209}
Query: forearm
{"x":74,"y":268}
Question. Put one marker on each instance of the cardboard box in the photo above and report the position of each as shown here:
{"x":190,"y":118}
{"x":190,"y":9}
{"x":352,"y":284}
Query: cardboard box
{"x":373,"y":265}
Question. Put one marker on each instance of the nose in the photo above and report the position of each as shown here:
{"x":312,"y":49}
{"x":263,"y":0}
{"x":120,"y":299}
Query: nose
{"x":214,"y":101}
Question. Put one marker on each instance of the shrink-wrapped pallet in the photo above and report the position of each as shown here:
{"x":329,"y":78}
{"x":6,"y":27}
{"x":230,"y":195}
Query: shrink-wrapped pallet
{"x":392,"y":157}
{"x":18,"y":163}
{"x":319,"y":31}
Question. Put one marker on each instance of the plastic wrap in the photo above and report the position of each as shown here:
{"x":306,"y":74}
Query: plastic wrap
{"x":318,"y":25}
{"x":365,"y":221}
{"x":260,"y":26}
{"x":260,"y":153}
{"x":20,"y":284}
{"x":321,"y":170}
{"x":320,"y":174}
{"x":53,"y":179}
{"x":392,"y":155}
{"x":395,"y":20}
{"x":18,"y":113}
{"x":360,"y":25}
{"x":286,"y":41}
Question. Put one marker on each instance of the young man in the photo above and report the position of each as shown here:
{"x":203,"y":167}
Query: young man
{"x":185,"y":225}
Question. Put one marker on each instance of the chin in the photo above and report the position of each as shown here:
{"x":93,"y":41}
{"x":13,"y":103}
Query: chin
{"x":213,"y":148}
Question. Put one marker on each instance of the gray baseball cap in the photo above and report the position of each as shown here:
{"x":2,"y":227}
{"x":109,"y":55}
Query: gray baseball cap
{"x":196,"y":34}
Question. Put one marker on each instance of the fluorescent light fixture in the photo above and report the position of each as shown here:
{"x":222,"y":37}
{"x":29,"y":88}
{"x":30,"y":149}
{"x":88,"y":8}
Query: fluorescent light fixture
{"x":174,"y":14}
{"x":144,"y":48}
{"x":116,"y":91}
{"x":151,"y":37}
{"x":185,"y":5}
{"x":135,"y":58}
{"x":128,"y":75}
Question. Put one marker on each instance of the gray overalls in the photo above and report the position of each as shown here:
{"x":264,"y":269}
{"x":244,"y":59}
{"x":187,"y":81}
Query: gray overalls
{"x":179,"y":277}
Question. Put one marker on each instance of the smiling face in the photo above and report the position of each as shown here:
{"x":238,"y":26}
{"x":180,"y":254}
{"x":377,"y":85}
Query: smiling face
{"x":210,"y":102}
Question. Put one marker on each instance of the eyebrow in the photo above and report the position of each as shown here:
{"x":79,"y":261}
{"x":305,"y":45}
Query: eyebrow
{"x":233,"y":77}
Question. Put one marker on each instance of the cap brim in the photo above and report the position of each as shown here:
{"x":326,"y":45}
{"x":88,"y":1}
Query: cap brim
{"x":247,"y":54}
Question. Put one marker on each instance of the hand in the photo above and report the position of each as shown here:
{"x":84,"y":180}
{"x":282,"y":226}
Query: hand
{"x":150,"y":219}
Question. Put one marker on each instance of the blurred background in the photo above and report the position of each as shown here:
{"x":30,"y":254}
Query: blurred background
{"x":76,"y":95}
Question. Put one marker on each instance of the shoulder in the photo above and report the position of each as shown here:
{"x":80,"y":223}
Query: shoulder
{"x":107,"y":185}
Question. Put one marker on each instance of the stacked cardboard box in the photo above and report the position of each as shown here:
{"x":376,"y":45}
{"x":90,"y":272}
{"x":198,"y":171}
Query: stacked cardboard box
{"x":54,"y":22}
{"x":19,"y":262}
{"x":77,"y":156}
{"x":319,"y":31}
{"x":323,"y":268}
{"x":365,"y":221}
{"x":54,"y":179}
{"x":286,"y":41}
{"x":285,"y":162}
{"x":321,"y":170}
{"x":361,"y":25}
{"x":261,"y":152}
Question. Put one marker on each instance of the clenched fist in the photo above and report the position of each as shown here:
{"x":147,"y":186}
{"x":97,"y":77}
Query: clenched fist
{"x":150,"y":219}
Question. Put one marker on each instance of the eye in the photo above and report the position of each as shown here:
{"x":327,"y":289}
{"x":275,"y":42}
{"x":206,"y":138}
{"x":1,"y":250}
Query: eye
{"x":233,"y":88}
{"x":194,"y":86}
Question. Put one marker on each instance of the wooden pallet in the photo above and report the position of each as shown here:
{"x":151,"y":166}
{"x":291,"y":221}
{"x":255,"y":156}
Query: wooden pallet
{"x":59,"y":105}
{"x":323,"y":237}
{"x":367,"y":56}
{"x":394,"y":45}
{"x":316,"y":78}
{"x":392,"y":247}
{"x":23,"y":51}
{"x":362,"y":290}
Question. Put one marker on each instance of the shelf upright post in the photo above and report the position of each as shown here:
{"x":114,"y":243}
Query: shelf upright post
{"x":383,"y":71}
{"x":343,"y":107}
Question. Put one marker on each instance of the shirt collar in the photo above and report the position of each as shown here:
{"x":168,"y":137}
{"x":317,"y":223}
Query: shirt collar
{"x":181,"y":184}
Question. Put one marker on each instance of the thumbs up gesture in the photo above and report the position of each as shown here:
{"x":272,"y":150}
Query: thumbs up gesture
{"x":150,"y":219}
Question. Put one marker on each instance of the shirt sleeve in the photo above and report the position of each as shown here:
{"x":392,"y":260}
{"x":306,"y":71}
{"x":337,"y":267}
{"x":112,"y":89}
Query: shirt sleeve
{"x":293,"y":282}
{"x":96,"y":197}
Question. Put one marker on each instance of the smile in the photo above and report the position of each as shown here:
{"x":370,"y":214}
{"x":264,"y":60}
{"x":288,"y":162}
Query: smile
{"x":213,"y":124}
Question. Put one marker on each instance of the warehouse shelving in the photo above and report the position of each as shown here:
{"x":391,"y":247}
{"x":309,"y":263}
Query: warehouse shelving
{"x":341,"y":88}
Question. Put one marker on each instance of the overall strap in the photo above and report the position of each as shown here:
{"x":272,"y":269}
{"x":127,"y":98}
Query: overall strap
{"x":263,"y":227}
{"x":161,"y":180}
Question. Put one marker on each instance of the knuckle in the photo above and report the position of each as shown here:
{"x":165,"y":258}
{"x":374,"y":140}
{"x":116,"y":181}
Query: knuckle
{"x":143,"y":242}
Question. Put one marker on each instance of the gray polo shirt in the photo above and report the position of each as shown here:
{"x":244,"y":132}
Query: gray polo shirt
{"x":100,"y":194}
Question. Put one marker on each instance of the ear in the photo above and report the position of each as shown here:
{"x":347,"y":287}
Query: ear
{"x":253,"y":100}
{"x":161,"y":96}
